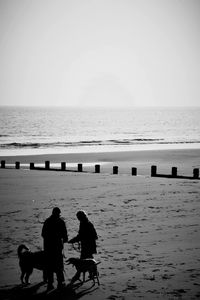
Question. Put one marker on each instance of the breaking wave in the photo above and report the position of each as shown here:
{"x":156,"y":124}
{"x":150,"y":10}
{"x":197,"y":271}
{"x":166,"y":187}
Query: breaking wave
{"x":137,"y":141}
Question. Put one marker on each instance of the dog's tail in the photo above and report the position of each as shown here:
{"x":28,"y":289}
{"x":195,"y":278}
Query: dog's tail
{"x":21,"y":248}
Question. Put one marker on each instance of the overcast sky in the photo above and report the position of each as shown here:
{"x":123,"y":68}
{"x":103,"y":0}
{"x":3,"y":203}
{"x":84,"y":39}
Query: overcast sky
{"x":100,"y":52}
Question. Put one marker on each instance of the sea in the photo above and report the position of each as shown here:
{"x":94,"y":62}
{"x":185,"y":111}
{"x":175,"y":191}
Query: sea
{"x":44,"y":130}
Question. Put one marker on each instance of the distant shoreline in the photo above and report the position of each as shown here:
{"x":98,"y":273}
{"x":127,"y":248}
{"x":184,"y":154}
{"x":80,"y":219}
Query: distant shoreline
{"x":97,"y":149}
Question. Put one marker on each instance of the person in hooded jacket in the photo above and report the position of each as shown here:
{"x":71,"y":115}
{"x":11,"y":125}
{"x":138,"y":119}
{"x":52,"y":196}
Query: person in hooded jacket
{"x":54,"y":233}
{"x":87,"y":236}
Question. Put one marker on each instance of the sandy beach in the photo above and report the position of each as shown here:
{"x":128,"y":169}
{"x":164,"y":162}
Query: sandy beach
{"x":148,"y":228}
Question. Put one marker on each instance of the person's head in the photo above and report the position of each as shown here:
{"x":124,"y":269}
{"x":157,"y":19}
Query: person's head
{"x":56,"y":212}
{"x":82,"y":216}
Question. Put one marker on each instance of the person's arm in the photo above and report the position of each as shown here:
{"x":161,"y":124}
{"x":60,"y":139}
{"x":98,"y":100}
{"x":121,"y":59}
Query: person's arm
{"x":64,"y":233}
{"x":76,"y":239}
{"x":43,"y":230}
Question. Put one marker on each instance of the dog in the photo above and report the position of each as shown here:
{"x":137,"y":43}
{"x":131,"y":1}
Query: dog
{"x":28,"y":261}
{"x":83,"y":266}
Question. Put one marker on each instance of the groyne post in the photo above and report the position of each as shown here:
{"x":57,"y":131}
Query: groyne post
{"x":32,"y":166}
{"x":17,"y":165}
{"x":174,"y":172}
{"x":3,"y":164}
{"x":97,"y":168}
{"x":153,"y":171}
{"x":196,"y":173}
{"x":115,"y":170}
{"x":134,"y":171}
{"x":47,"y":164}
{"x":63,"y":166}
{"x":80,"y":168}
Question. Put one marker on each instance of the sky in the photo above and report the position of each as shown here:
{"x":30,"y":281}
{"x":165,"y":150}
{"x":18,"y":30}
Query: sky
{"x":117,"y":53}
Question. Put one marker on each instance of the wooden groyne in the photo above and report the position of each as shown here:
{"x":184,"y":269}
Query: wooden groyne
{"x":174,"y":173}
{"x":97,"y":169}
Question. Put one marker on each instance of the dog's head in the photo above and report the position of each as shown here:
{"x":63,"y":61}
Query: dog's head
{"x":73,"y":261}
{"x":21,"y":249}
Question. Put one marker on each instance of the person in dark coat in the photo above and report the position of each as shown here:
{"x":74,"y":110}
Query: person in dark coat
{"x":87,"y":236}
{"x":54,"y":233}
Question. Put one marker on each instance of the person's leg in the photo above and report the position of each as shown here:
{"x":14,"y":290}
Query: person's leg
{"x":60,"y":270}
{"x":50,"y":279}
{"x":60,"y":278}
{"x":49,"y":274}
{"x":45,"y":275}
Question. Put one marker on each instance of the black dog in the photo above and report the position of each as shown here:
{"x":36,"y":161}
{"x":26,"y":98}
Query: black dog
{"x":28,"y":261}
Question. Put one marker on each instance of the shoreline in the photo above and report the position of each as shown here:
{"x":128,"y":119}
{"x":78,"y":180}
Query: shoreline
{"x":108,"y":155}
{"x":98,"y":149}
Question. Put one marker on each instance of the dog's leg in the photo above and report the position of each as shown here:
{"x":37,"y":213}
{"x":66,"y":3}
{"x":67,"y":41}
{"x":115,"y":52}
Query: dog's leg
{"x":45,"y":277}
{"x":28,"y":273}
{"x":76,"y":277}
{"x":22,"y":277}
{"x":90,"y":274}
{"x":97,"y":279}
{"x":27,"y":278}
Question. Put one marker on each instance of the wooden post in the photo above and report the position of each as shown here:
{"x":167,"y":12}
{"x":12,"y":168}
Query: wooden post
{"x":80,"y":168}
{"x":115,"y":170}
{"x":17,"y":165}
{"x":196,"y":173}
{"x":31,"y":166}
{"x":97,"y":168}
{"x":134,"y":171}
{"x":153,"y":171}
{"x":47,"y":164}
{"x":174,"y":172}
{"x":63,"y":166}
{"x":3,"y":164}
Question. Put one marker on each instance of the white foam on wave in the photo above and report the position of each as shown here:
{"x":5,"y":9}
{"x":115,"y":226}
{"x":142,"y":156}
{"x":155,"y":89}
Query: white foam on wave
{"x":97,"y":149}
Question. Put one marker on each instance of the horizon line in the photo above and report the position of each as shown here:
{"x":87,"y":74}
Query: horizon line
{"x":100,"y":106}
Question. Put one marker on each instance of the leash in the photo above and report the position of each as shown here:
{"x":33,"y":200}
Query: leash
{"x":76,"y":248}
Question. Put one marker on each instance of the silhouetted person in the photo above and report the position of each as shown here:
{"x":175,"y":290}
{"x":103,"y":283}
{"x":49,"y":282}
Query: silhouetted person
{"x":54,"y":233}
{"x":87,"y":236}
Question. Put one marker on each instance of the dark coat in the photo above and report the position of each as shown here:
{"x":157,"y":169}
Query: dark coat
{"x":87,"y":236}
{"x":54,"y":233}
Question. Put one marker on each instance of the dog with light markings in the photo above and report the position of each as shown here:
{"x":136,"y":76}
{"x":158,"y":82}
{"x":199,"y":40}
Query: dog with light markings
{"x":82,"y":266}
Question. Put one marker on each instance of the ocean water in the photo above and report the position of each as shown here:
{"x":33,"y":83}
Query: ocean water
{"x":36,"y":130}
